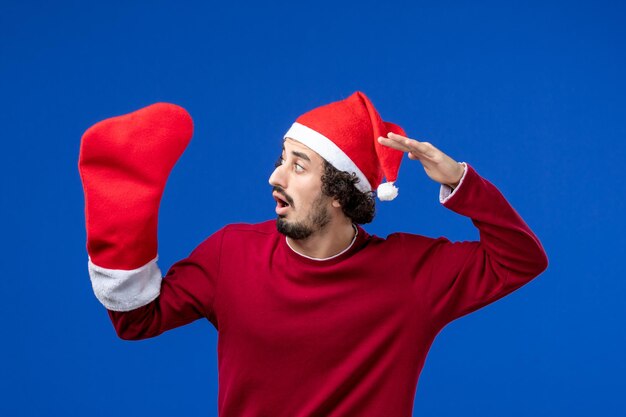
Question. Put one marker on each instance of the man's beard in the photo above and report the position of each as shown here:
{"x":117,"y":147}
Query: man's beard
{"x":317,"y":219}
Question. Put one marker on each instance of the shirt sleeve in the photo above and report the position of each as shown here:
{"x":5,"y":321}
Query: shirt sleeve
{"x":465,"y":276}
{"x":187,"y":293}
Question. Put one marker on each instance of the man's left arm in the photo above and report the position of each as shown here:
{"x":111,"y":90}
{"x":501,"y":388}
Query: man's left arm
{"x":465,"y":276}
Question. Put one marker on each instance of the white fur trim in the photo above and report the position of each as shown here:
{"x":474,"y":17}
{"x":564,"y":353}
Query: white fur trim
{"x":387,"y":191}
{"x":125,"y":290}
{"x":446,"y":192}
{"x":328,"y":150}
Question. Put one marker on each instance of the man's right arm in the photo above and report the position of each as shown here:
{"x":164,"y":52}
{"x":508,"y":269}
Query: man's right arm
{"x":185,"y":294}
{"x":124,"y":163}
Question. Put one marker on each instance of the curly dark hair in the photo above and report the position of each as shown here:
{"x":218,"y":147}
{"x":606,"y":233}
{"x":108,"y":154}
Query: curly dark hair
{"x":360,"y":207}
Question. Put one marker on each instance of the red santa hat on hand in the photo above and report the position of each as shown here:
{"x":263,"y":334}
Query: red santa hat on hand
{"x":345,"y":133}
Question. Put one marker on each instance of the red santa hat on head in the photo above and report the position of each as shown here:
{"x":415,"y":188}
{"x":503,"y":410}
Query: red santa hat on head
{"x":345,"y":133}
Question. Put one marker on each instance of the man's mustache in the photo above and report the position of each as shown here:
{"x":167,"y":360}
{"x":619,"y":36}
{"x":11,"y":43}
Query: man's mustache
{"x":282,"y":192}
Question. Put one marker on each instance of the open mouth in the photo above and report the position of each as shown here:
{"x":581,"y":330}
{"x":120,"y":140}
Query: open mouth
{"x":281,"y":201}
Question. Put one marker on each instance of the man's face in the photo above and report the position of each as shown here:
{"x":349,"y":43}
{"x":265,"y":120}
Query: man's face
{"x":301,"y":206}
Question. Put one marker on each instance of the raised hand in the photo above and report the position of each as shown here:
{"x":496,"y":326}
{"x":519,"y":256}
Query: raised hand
{"x":438,"y":166}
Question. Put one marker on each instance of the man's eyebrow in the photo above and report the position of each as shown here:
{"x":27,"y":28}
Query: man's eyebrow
{"x":301,"y":155}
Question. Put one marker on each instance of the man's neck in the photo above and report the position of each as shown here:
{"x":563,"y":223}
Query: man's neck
{"x":326,"y":243}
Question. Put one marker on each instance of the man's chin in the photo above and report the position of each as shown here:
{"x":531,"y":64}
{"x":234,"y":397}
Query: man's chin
{"x":292,"y":230}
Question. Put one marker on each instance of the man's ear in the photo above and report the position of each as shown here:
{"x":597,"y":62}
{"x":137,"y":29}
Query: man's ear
{"x":336,"y":204}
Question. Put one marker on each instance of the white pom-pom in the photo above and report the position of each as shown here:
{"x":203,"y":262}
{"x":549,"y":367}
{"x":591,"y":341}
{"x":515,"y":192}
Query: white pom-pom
{"x":387,"y":191}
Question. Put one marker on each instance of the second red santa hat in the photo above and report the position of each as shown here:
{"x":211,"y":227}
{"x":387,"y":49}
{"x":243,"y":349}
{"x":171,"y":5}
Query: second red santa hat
{"x":345,"y":133}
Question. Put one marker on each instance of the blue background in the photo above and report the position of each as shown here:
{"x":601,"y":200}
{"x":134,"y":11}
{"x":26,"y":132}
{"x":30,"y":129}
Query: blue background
{"x":532,"y":94}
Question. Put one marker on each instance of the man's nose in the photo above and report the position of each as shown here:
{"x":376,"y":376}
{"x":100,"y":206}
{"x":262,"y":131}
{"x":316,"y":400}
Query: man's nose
{"x":278,"y":177}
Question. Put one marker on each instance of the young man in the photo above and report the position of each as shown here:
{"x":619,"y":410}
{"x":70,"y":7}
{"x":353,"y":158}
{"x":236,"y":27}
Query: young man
{"x":315,"y":317}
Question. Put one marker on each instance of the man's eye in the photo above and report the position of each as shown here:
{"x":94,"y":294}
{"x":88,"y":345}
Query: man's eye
{"x":298,"y":168}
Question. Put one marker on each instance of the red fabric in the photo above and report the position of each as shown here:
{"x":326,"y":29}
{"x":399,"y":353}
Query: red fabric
{"x":354,"y":126}
{"x":390,"y":161}
{"x":124,"y":163}
{"x":346,"y":336}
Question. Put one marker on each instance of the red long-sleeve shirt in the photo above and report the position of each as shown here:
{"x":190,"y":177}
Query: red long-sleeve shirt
{"x":345,"y":336}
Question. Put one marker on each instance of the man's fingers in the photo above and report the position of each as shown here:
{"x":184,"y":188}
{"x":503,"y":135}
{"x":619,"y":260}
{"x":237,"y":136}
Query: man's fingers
{"x":422,"y":149}
{"x":396,"y":141}
{"x":400,"y":140}
{"x":395,"y":144}
{"x":439,"y":166}
{"x":419,"y":149}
